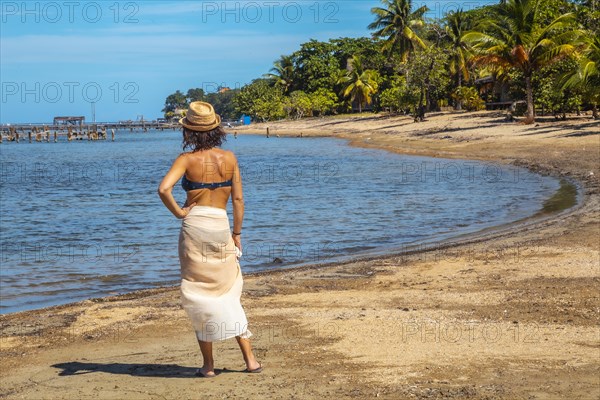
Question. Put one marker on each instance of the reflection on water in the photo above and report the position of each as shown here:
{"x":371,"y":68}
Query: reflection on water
{"x":565,"y":197}
{"x":83,"y":219}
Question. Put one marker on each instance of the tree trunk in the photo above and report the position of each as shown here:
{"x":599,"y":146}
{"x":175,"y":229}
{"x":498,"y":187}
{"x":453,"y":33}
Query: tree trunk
{"x":427,"y":80}
{"x":595,"y":111}
{"x":459,"y":100}
{"x":407,"y":82}
{"x":419,"y":115}
{"x":429,"y":106}
{"x":530,"y":117}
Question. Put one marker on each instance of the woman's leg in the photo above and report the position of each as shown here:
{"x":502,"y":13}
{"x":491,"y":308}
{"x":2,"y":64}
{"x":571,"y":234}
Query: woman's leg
{"x":209,"y":364}
{"x":249,"y":358}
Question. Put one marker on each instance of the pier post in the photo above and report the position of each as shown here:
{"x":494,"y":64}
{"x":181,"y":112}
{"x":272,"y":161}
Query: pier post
{"x":267,"y":131}
{"x":55,"y":137}
{"x":29,"y":136}
{"x":112,"y":132}
{"x":69,"y":133}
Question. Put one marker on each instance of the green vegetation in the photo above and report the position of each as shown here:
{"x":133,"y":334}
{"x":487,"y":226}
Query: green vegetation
{"x":514,"y":38}
{"x":359,"y":84}
{"x":223,"y":101}
{"x":457,"y":24}
{"x":468,"y":97}
{"x":545,"y":53}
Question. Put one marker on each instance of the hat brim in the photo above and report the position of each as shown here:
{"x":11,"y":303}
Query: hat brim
{"x":200,"y":128}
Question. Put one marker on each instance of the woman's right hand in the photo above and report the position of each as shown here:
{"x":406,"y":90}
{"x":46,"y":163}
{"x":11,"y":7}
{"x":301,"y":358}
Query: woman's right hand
{"x":237,"y":240}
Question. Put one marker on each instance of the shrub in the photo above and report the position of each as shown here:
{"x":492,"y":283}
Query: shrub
{"x":469,"y":96}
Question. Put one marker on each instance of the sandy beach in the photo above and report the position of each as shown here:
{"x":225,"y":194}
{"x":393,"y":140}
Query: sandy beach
{"x":510,"y":314}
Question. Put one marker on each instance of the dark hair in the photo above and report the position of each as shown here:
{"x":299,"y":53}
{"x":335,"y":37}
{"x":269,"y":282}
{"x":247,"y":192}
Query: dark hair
{"x":203,"y":140}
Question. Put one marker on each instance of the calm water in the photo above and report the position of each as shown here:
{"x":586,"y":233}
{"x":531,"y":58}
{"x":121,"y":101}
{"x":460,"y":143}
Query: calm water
{"x":83,"y":219}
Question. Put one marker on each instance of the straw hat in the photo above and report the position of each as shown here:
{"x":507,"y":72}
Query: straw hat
{"x":200,"y":117}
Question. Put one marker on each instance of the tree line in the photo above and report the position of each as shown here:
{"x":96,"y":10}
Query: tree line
{"x":545,"y":52}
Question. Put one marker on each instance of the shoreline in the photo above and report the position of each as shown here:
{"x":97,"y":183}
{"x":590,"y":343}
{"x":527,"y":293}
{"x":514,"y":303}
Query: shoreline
{"x":259,"y":129}
{"x":368,"y":328}
{"x":485,"y":234}
{"x":488,"y":233}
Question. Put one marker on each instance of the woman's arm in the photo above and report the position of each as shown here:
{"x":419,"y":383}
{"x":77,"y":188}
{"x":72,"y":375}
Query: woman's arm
{"x":237,"y":199}
{"x":166,"y":186}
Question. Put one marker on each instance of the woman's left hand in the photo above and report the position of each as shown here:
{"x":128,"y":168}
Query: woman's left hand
{"x":185,"y":210}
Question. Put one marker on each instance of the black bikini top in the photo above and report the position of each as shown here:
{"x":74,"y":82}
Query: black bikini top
{"x":189,"y":185}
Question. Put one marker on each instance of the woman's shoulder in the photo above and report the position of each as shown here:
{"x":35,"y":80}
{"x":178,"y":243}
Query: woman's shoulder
{"x":227,"y":154}
{"x":215,"y":151}
{"x":184,"y":157}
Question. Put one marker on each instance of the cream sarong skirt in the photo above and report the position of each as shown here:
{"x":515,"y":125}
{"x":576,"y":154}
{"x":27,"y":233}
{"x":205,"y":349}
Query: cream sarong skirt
{"x":211,"y":278}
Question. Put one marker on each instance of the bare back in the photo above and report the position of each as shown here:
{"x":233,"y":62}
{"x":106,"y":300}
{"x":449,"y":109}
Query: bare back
{"x":210,"y":166}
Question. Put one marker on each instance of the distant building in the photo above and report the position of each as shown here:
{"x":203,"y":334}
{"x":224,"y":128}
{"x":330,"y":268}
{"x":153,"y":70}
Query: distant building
{"x":224,"y":89}
{"x":362,"y":107}
{"x":69,"y":120}
{"x":494,"y":92}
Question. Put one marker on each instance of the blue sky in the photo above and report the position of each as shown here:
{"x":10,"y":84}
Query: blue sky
{"x":58,"y":57}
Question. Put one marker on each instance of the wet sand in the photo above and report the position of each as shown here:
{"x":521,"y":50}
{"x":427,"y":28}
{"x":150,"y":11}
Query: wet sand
{"x":511,"y":314}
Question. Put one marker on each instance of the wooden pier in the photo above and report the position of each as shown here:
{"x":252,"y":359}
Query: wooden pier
{"x":96,"y":131}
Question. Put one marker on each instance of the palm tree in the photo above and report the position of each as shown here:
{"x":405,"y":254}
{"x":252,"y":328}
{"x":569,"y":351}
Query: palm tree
{"x":282,"y":73}
{"x":396,"y":22}
{"x":587,"y":75}
{"x":359,"y":84}
{"x":514,"y":39}
{"x":457,"y":26}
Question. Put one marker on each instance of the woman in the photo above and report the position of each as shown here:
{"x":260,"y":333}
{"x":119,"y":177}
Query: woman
{"x":211,"y":284}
